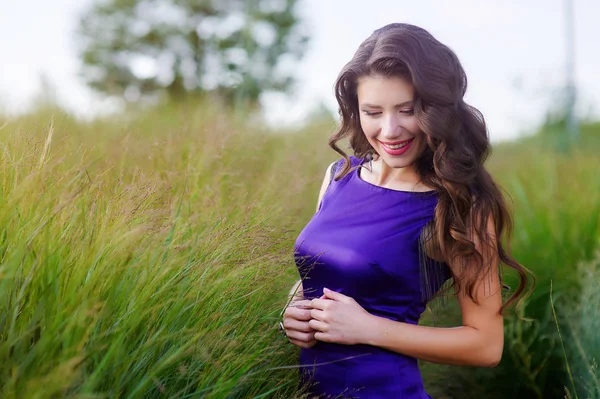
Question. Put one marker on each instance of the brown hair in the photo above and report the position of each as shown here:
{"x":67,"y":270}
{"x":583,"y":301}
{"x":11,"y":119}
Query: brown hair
{"x":458,"y":145}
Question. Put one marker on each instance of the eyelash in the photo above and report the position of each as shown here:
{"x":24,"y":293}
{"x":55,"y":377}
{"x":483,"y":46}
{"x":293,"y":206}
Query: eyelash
{"x":409,"y":112}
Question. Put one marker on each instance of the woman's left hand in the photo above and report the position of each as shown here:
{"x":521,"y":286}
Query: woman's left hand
{"x":338,"y":318}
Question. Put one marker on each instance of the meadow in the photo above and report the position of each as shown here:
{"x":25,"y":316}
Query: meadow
{"x":149,"y":255}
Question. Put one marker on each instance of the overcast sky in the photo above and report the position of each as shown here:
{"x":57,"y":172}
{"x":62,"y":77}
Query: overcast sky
{"x":513,"y":52}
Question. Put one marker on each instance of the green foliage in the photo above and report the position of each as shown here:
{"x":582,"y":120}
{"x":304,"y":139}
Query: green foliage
{"x":149,"y":256}
{"x":146,"y":49}
{"x":556,"y":203}
{"x":582,"y":322}
{"x":144,"y":259}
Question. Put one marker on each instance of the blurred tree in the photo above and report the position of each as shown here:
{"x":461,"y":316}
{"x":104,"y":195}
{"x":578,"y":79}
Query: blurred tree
{"x":151,"y":48}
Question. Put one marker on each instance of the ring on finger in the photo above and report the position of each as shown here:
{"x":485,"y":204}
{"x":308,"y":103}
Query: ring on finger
{"x":282,"y":329}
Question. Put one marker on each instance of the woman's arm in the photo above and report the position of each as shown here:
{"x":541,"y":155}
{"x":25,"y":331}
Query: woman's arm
{"x":478,"y":342}
{"x":324,"y":185}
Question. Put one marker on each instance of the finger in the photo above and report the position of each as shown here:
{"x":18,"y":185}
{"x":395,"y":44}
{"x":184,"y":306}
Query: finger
{"x":304,"y":344}
{"x":317,"y":314}
{"x":311,"y":343}
{"x":334,"y":295}
{"x":303,"y":303}
{"x":297,"y":313}
{"x":291,"y":324}
{"x":321,"y":336}
{"x":297,"y":343}
{"x":300,"y":336}
{"x":318,"y":325}
{"x":320,"y":303}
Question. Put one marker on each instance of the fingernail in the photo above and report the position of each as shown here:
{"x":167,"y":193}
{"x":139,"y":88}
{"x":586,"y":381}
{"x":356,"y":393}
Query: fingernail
{"x":326,"y":289}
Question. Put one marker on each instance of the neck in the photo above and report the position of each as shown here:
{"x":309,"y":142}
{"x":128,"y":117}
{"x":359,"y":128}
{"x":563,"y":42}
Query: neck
{"x":385,"y":175}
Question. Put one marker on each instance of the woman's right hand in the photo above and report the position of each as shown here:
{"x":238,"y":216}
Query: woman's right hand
{"x":295,"y":322}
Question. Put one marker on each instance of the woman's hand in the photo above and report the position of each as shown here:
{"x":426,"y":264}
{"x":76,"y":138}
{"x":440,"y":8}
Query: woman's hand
{"x":338,"y":318}
{"x":296,"y":323}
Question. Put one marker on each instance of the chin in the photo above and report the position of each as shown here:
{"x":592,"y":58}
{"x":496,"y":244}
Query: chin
{"x":396,"y":161}
{"x":399,"y":161}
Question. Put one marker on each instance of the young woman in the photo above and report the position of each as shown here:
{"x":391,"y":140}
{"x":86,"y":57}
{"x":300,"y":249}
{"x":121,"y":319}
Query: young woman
{"x":413,"y":208}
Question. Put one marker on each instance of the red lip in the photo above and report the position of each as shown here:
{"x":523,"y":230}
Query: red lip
{"x":395,"y":142}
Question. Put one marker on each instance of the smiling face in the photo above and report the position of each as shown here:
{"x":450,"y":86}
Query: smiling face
{"x":388,"y":121}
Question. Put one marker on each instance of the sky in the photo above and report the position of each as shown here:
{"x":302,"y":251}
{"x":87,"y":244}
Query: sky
{"x":513,"y":51}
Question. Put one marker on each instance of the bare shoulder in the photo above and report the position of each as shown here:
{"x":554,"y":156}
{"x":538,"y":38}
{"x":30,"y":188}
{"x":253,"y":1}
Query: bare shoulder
{"x":324,"y":184}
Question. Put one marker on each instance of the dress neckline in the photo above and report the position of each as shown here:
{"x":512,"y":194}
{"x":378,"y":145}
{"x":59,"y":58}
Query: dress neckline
{"x":375,"y":186}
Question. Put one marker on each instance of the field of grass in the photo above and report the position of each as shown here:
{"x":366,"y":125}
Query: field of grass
{"x":150,"y":256}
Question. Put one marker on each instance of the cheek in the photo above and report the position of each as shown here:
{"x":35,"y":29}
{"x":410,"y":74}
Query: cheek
{"x":369,"y":127}
{"x":413,"y":125}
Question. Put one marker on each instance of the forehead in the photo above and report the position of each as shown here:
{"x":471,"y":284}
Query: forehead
{"x":383,"y":90}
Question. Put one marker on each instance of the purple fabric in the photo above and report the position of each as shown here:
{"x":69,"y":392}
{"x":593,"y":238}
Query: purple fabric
{"x":363,"y":242}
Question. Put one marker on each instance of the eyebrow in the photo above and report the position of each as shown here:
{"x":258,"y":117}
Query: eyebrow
{"x":379,"y":106}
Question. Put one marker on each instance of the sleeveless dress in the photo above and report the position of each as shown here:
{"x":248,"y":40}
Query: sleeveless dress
{"x":364,"y":242}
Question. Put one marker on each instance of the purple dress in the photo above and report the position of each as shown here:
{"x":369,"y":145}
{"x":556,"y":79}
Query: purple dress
{"x":364,"y":242}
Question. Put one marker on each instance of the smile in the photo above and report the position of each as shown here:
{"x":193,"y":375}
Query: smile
{"x":398,"y":147}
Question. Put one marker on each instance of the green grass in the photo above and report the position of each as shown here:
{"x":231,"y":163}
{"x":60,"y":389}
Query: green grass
{"x":583,"y":342}
{"x":556,"y":203}
{"x":150,"y":256}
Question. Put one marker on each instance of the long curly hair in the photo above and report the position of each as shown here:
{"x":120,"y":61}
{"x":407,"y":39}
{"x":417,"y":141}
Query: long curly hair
{"x":458,"y":145}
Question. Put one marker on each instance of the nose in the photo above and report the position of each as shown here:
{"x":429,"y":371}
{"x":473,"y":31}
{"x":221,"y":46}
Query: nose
{"x":392,"y":127}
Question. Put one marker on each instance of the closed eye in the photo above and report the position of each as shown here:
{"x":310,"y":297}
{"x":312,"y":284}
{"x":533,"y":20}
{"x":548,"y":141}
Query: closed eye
{"x":368,"y":113}
{"x":406,"y":112}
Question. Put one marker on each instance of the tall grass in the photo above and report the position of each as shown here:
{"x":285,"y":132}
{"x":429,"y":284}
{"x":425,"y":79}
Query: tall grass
{"x":556,"y":204}
{"x":150,"y":256}
{"x":583,"y":340}
{"x":145,"y":259}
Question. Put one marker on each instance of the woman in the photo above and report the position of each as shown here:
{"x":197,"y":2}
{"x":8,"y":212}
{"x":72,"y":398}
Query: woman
{"x":412,"y":209}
